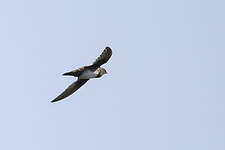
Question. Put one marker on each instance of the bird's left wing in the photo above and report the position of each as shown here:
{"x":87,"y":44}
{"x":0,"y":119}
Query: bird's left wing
{"x":103,"y":58}
{"x":71,"y":89}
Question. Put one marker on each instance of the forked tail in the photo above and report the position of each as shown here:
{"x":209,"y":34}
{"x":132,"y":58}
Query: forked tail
{"x":68,"y":74}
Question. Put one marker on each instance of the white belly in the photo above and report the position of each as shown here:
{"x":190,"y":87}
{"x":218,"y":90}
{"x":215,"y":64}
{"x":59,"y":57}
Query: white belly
{"x":87,"y":75}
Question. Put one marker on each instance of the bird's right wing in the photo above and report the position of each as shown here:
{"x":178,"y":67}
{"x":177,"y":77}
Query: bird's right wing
{"x":71,"y":89}
{"x":103,"y":58}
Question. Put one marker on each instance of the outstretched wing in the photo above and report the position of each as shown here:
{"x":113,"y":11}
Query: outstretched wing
{"x":71,"y":89}
{"x":103,"y":58}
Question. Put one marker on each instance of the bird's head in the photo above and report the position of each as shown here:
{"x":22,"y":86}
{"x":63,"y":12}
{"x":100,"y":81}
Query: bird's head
{"x":101,"y":71}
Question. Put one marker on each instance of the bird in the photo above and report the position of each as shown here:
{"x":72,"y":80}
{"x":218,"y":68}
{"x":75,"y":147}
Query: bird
{"x":85,"y":73}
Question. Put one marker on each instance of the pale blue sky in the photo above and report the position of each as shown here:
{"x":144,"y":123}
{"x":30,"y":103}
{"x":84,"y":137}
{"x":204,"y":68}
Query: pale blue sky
{"x":164,"y":90}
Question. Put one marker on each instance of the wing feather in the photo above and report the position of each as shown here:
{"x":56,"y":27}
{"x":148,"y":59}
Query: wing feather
{"x":71,"y":89}
{"x":103,"y":58}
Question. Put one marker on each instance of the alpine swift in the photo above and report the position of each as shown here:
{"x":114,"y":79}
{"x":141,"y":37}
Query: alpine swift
{"x":85,"y":73}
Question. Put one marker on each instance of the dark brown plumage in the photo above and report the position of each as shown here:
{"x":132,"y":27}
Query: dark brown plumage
{"x":103,"y":58}
{"x":71,"y":89}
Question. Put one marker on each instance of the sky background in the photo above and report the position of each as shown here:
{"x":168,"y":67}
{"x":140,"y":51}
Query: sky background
{"x":164,"y":90}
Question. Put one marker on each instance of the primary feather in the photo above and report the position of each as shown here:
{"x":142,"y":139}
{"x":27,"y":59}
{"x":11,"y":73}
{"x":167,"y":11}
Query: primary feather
{"x":103,"y":58}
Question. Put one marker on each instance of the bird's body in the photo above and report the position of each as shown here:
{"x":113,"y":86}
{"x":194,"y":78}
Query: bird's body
{"x":88,"y":74}
{"x":85,"y":73}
